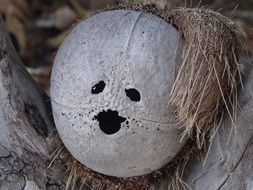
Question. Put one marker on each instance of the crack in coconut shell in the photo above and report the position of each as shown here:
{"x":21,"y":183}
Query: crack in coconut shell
{"x":205,"y":88}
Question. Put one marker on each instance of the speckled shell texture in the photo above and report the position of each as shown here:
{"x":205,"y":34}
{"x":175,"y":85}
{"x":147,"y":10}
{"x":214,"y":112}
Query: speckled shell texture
{"x":126,"y":50}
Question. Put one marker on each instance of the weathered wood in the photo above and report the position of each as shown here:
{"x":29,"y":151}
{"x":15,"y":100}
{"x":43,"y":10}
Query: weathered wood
{"x":25,"y":127}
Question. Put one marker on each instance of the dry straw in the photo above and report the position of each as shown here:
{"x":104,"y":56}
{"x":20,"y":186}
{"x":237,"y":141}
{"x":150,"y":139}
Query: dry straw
{"x":204,"y":89}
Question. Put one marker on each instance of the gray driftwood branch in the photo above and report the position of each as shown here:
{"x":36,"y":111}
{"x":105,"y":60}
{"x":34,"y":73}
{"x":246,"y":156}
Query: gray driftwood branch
{"x":25,"y":127}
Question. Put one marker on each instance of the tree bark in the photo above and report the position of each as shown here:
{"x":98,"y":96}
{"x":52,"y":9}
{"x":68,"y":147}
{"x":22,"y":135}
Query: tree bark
{"x":28,"y":136}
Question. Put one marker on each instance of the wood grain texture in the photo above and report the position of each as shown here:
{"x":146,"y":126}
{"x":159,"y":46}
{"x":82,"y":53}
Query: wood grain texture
{"x":25,"y":127}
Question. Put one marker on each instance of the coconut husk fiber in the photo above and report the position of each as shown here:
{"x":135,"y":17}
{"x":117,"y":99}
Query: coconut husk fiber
{"x":206,"y":84}
{"x":204,"y":90}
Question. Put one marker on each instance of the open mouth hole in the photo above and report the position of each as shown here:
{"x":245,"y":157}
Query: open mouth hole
{"x":109,"y":121}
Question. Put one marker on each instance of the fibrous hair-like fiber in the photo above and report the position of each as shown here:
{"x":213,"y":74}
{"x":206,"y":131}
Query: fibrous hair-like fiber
{"x":206,"y":83}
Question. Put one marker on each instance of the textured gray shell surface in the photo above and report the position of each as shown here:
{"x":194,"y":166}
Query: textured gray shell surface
{"x":126,"y":50}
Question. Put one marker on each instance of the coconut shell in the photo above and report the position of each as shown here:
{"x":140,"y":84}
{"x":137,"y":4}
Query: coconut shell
{"x":120,"y":129}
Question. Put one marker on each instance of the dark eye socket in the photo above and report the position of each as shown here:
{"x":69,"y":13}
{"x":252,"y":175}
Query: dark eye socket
{"x":133,"y":94}
{"x":98,"y":88}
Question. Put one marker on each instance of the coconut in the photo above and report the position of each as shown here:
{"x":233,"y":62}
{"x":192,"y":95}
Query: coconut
{"x":123,"y":93}
{"x":110,"y":84}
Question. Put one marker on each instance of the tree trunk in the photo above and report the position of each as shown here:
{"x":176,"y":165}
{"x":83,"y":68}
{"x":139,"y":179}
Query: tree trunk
{"x":28,"y":136}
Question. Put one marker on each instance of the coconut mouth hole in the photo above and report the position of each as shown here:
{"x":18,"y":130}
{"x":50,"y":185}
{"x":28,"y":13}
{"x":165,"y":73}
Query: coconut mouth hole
{"x":109,"y":121}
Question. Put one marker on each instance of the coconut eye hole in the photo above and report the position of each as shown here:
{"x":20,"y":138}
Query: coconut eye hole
{"x":98,"y":88}
{"x":133,"y":94}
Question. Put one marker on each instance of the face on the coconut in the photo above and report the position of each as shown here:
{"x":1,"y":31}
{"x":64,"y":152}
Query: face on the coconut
{"x":110,"y":91}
